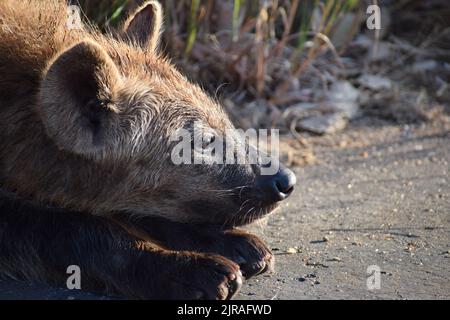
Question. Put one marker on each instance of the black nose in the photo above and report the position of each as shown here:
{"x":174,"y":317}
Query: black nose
{"x":276,"y":187}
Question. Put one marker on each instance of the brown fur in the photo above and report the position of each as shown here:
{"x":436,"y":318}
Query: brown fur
{"x":153,"y":100}
{"x":85,"y":123}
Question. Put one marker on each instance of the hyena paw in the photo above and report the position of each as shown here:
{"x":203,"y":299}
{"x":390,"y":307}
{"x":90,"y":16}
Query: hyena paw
{"x":251,"y":253}
{"x":209,"y":277}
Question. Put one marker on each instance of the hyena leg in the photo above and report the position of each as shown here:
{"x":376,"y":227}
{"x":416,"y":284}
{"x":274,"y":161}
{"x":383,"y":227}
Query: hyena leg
{"x":251,"y":253}
{"x":39,"y":245}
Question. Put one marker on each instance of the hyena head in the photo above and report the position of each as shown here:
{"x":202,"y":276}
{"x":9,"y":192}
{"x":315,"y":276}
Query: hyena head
{"x":116,"y":103}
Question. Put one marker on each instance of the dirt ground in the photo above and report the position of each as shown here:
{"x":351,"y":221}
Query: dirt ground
{"x":384,"y":202}
{"x":379,"y":194}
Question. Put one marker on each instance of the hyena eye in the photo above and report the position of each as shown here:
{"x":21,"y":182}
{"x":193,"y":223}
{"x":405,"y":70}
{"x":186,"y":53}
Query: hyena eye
{"x":207,"y":140}
{"x":204,"y":143}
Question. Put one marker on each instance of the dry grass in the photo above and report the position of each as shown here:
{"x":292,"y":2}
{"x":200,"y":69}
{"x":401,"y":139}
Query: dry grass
{"x":249,"y":49}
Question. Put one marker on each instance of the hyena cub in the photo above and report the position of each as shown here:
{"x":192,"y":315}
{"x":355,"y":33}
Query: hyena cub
{"x":85,"y":138}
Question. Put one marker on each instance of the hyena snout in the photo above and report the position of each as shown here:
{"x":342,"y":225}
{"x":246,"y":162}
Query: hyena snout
{"x":276,"y":187}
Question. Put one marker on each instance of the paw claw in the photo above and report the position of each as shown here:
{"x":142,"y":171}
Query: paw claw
{"x":235,"y":284}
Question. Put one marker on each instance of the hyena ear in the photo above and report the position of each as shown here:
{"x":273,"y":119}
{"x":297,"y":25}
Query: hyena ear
{"x":77,"y":99}
{"x":143,"y":27}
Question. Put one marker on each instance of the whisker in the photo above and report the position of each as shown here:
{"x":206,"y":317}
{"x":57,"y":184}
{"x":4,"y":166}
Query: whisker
{"x":248,"y":214}
{"x":240,"y":192}
{"x":242,"y":205}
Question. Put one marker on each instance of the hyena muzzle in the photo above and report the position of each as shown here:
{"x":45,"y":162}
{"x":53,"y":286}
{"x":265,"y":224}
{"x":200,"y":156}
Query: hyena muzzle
{"x":86,"y":121}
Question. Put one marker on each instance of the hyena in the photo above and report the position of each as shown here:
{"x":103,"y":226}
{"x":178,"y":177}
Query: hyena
{"x":85,"y":126}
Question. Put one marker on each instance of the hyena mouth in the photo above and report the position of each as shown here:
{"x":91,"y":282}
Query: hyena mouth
{"x":251,"y":211}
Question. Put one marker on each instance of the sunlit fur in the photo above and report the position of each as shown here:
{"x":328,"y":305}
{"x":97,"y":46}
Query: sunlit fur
{"x":48,"y":157}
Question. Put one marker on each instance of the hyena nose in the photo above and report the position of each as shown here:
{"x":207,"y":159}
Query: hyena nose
{"x":277,"y":187}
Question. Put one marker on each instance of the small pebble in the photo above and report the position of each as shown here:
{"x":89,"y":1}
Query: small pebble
{"x":291,"y":250}
{"x":337,"y":259}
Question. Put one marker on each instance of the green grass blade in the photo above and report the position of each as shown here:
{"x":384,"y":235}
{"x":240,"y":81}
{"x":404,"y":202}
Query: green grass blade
{"x":192,"y":26}
{"x":235,"y":23}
